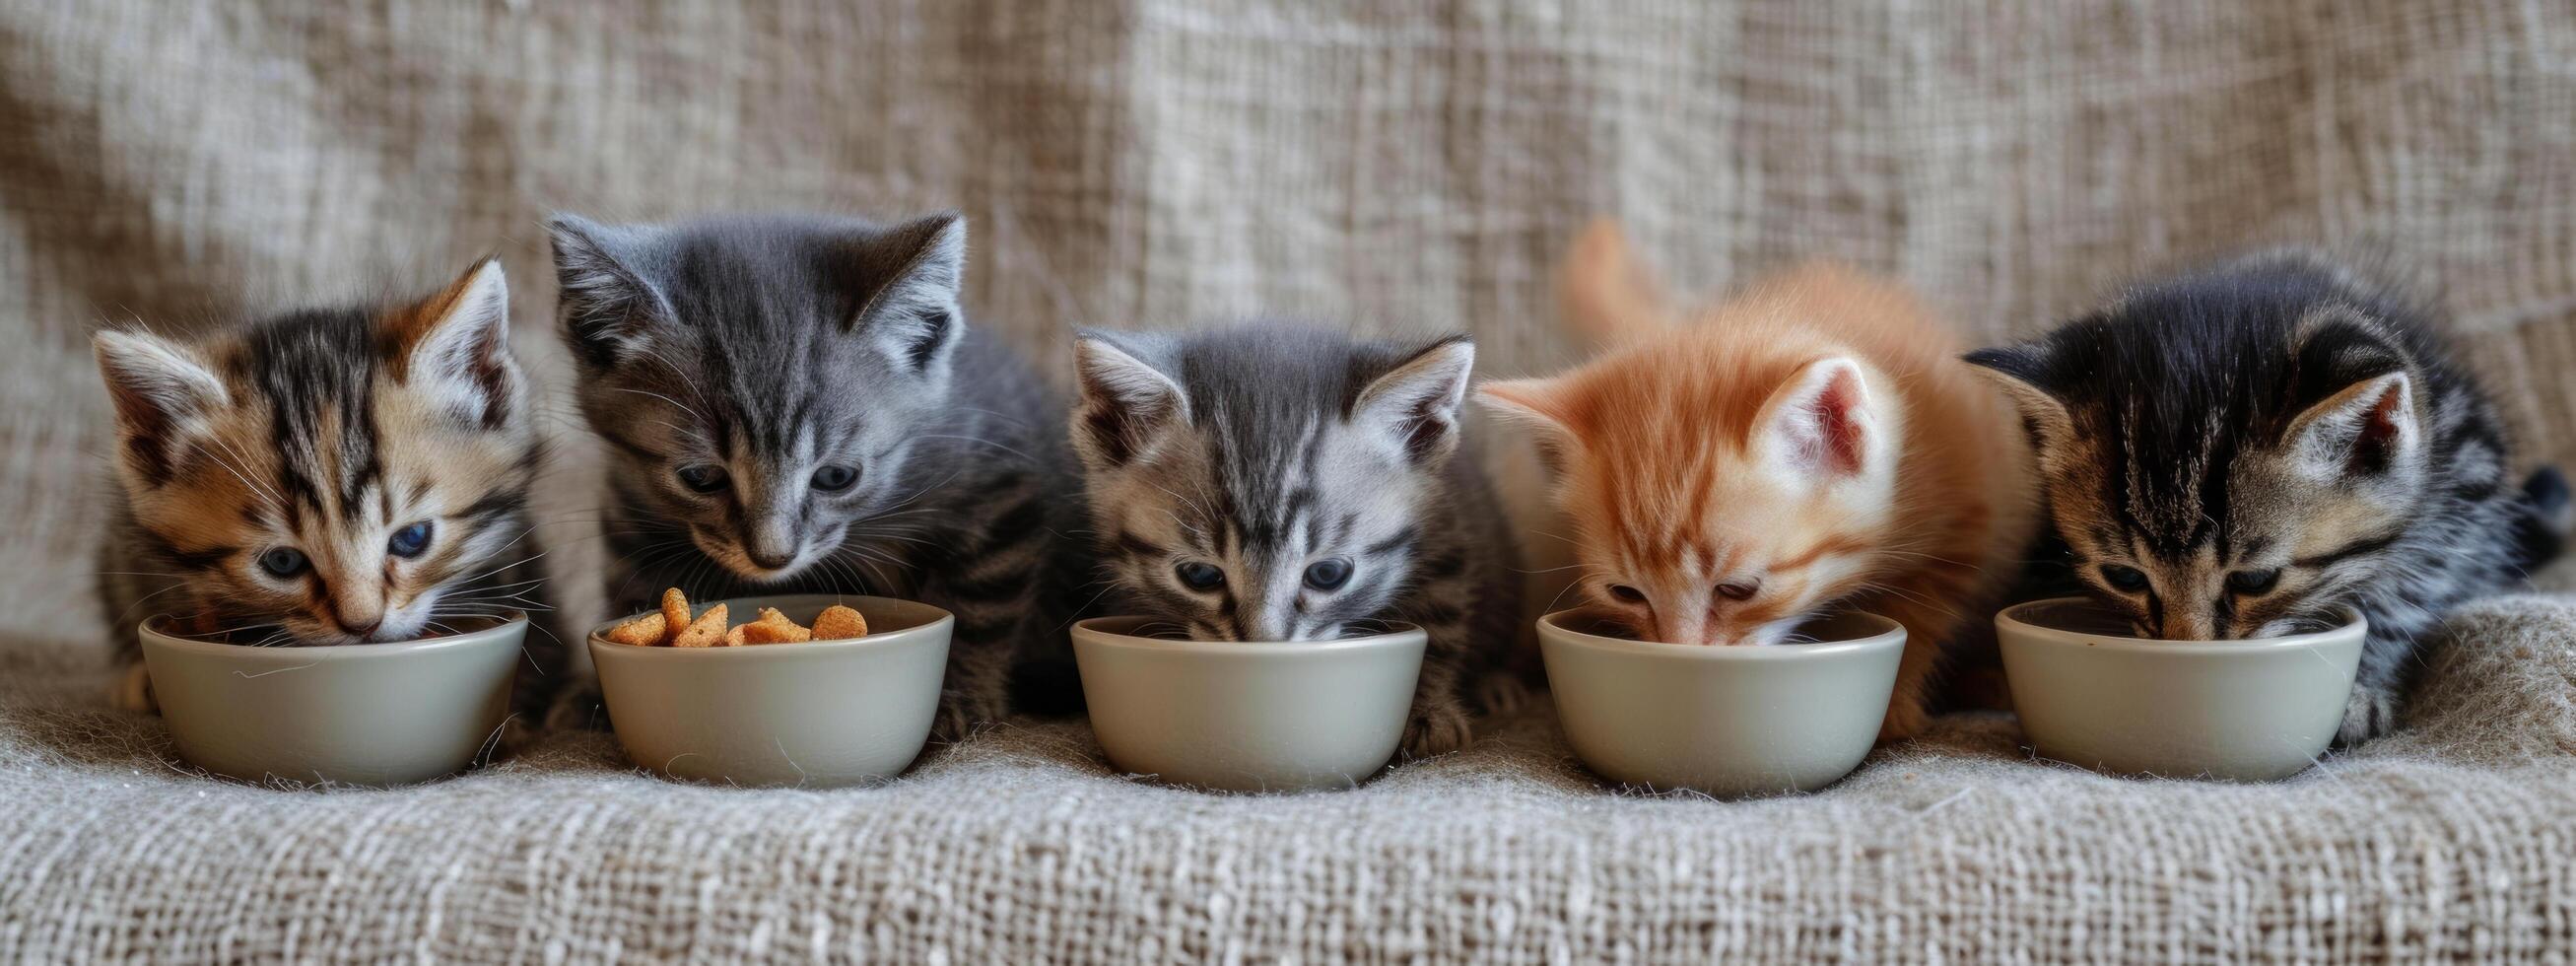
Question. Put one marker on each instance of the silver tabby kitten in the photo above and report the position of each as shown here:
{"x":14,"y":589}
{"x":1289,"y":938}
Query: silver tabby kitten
{"x":329,"y":476}
{"x":1278,"y":483}
{"x":797,"y":405}
{"x":2241,"y":451}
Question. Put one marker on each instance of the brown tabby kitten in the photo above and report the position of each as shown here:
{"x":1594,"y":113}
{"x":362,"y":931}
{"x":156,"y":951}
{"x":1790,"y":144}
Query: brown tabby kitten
{"x":334,"y":476}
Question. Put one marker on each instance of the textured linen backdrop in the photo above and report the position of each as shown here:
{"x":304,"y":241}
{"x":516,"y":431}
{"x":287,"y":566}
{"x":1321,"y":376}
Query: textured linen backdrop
{"x":1407,"y":167}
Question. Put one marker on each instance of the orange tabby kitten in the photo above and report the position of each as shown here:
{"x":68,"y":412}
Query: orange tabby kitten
{"x":1815,"y":442}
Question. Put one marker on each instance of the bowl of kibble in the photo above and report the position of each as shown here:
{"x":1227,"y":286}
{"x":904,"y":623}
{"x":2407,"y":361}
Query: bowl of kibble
{"x":810,"y":690}
{"x":1729,"y":721}
{"x":1271,"y":716}
{"x":2091,"y":692}
{"x":382,"y":714}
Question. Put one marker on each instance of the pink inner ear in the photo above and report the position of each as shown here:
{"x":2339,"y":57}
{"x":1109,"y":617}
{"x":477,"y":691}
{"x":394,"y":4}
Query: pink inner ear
{"x":1838,"y":429}
{"x":2374,"y":448}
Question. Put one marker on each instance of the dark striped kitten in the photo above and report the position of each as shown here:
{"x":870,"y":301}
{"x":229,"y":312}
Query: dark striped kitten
{"x":331,"y":476}
{"x":2241,"y":451}
{"x":797,"y":405}
{"x":1276,"y":483}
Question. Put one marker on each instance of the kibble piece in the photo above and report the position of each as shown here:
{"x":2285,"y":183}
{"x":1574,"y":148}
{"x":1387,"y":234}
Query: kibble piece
{"x":644,"y":631}
{"x":675,"y":612}
{"x":734,"y":638}
{"x":773,"y":632}
{"x":707,"y":631}
{"x":837,"y":623}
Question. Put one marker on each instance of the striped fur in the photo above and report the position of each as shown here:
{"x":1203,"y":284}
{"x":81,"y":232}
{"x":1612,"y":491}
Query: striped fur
{"x":1265,"y":450}
{"x":2244,"y":450}
{"x":325,"y":434}
{"x":847,"y":432}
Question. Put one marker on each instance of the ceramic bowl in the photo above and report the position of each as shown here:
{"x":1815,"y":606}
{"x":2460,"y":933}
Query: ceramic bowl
{"x":819,"y":714}
{"x":356,"y":714}
{"x":1727,"y":721}
{"x":1238,"y":716}
{"x":2090,"y":693}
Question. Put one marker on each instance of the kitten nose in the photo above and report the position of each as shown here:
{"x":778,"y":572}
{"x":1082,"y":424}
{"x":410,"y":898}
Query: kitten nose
{"x":357,"y":631}
{"x":773,"y":542}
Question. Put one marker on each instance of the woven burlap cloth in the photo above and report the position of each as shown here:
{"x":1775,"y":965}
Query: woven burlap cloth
{"x":1405,"y":167}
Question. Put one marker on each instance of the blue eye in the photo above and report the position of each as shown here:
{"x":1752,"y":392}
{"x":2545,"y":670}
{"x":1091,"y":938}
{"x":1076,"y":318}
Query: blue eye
{"x":283,"y":562}
{"x":1199,"y":576}
{"x":2124,"y":579}
{"x":702,"y":478}
{"x":2253,"y":582}
{"x":834,"y":479}
{"x":1328,"y":574}
{"x":409,"y":541}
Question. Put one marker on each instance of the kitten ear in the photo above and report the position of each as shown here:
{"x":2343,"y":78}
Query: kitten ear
{"x":2023,"y":371}
{"x":1605,"y":293}
{"x":1822,"y":423}
{"x":1540,"y":404}
{"x":2369,"y":429}
{"x":608,"y":310}
{"x":163,"y":393}
{"x":456,"y":345}
{"x":912,"y":316}
{"x":1126,"y":401}
{"x":1414,"y":406}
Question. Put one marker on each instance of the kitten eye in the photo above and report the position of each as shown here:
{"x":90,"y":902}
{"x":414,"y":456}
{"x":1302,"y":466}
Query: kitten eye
{"x":1199,"y":576}
{"x":1626,"y":593}
{"x":409,"y":541}
{"x":1328,"y":574}
{"x":834,"y":479}
{"x":702,"y":478}
{"x":2125,"y":579}
{"x":283,"y":562}
{"x":2250,"y":582}
{"x":1739,"y":589}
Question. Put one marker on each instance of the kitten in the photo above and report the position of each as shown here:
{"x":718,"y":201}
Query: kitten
{"x":1814,"y":443}
{"x":332,"y":476}
{"x":797,"y":405}
{"x":1281,"y":483}
{"x":2245,"y":450}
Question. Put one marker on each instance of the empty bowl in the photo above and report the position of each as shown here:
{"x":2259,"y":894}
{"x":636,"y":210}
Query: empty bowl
{"x":355,"y":714}
{"x":1238,"y":716}
{"x":1728,"y":721}
{"x":817,"y":714}
{"x":2090,"y":693}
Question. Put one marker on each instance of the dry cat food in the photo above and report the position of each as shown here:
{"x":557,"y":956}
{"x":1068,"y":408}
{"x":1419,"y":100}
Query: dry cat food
{"x":674,"y":627}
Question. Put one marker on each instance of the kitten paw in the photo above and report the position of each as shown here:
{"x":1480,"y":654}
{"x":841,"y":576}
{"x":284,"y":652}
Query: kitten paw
{"x":1502,"y":694}
{"x":579,"y":708}
{"x":2372,"y":712}
{"x":1906,"y":717}
{"x":1436,"y":731}
{"x":960,"y":714}
{"x":132,"y":691}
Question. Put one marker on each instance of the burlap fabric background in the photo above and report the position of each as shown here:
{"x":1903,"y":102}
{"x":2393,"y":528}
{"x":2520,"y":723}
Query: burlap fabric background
{"x":1400,"y":167}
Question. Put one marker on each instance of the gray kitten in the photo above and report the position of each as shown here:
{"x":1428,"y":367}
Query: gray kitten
{"x":796,"y":405}
{"x":2246,"y":450}
{"x":1276,"y":483}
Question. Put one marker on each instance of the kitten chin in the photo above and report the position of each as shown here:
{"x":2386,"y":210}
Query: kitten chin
{"x":1813,"y":443}
{"x":327,"y":477}
{"x":1278,"y":482}
{"x":2247,"y":449}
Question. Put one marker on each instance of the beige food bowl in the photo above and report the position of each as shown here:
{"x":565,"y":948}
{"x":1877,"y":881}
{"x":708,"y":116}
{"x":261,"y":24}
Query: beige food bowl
{"x":818,"y":714}
{"x":1728,"y":721}
{"x":1235,"y":716}
{"x":357,"y":714}
{"x":2090,"y":693}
